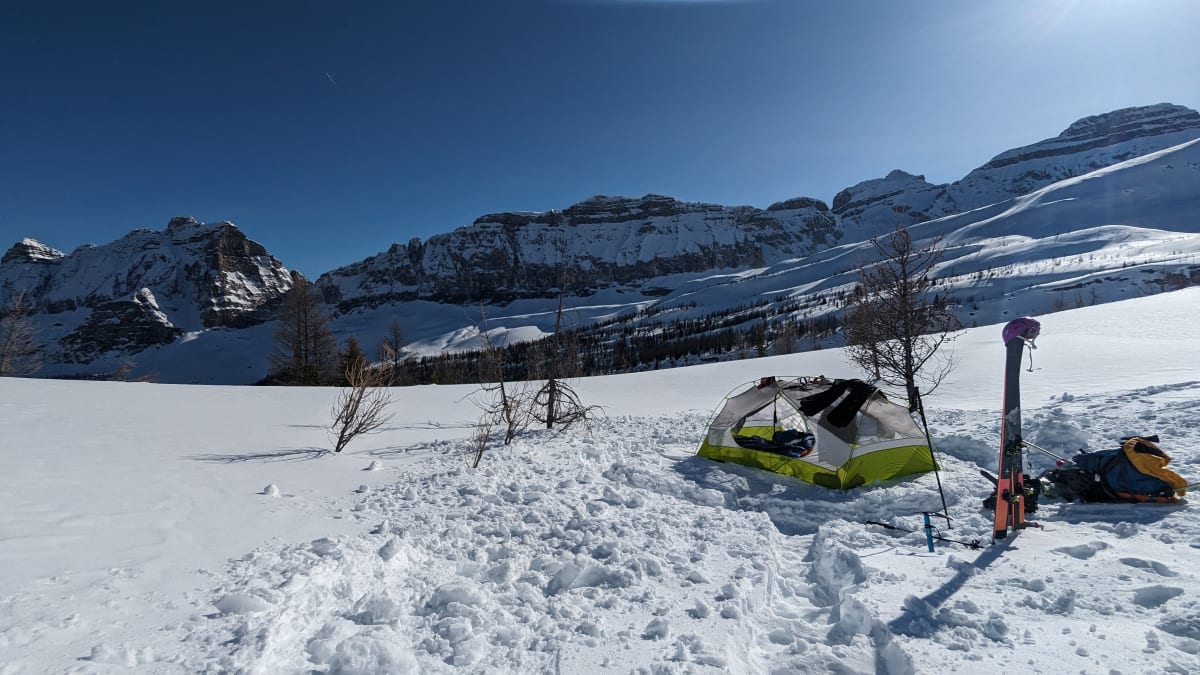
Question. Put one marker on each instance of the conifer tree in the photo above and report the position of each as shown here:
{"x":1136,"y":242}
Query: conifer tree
{"x":20,"y":352}
{"x":351,"y":358}
{"x":305,"y":350}
{"x":391,"y":351}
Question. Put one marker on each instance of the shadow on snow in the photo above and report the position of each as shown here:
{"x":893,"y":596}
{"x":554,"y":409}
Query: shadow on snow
{"x":286,"y":455}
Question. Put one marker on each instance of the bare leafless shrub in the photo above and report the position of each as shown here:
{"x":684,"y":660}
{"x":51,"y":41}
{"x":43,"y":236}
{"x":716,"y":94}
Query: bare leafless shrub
{"x":480,"y":438}
{"x":557,"y":403}
{"x":503,"y":404}
{"x":361,"y":406}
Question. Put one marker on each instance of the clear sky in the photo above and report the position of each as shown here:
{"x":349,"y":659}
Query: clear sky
{"x":329,"y":130}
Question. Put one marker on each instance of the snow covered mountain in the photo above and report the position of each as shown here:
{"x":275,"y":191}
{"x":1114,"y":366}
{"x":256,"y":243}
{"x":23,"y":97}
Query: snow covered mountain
{"x":1108,"y":209}
{"x":600,"y":242}
{"x":1127,"y":230}
{"x":608,"y":241}
{"x":876,"y":206}
{"x":145,"y":289}
{"x":1089,"y":144}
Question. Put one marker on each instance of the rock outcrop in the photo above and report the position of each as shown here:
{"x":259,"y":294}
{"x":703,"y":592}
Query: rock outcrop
{"x":128,"y":326}
{"x":603,"y":241}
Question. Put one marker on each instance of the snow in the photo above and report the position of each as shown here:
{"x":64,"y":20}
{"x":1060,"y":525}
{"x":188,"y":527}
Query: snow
{"x":136,"y":533}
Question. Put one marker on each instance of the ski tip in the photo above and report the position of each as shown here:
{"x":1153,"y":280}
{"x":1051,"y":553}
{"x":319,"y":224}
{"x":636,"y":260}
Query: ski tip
{"x":1024,"y":328}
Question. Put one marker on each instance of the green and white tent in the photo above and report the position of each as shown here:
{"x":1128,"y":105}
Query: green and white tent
{"x":834,"y":433}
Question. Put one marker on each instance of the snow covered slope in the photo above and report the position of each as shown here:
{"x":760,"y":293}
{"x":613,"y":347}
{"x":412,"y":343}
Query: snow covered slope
{"x":877,"y":206}
{"x":1087,"y":145}
{"x":168,"y":529}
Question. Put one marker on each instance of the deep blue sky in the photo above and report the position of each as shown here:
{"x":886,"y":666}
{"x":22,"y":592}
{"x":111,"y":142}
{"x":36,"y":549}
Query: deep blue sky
{"x":329,"y":130}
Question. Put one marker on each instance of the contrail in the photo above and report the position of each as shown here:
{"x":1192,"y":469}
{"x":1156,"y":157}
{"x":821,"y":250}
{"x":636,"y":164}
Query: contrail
{"x":331,"y":80}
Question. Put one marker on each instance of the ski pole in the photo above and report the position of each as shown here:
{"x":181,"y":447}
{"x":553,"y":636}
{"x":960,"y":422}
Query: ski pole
{"x":1044,"y":451}
{"x":920,"y":406}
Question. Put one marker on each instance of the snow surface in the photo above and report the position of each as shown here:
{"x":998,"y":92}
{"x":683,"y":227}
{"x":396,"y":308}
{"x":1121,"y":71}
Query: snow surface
{"x":136,"y":532}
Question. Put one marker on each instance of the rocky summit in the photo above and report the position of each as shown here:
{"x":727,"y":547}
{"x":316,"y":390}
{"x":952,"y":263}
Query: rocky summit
{"x":145,"y":288}
{"x":1089,"y":144}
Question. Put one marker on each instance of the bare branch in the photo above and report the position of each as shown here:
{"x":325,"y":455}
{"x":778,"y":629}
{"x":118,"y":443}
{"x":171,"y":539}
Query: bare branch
{"x":567,"y":411}
{"x":895,"y":325}
{"x":361,"y":406}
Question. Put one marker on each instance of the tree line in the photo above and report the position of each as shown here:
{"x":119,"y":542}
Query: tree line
{"x":306,"y":352}
{"x":894,"y":324}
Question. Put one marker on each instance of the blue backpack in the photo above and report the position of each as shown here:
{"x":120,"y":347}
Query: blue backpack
{"x":1134,"y":472}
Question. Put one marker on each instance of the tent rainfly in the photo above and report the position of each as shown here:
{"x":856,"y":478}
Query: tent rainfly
{"x":834,"y":433}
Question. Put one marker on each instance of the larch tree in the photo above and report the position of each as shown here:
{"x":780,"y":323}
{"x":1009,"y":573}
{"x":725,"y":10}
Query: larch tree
{"x":305,"y":350}
{"x":391,"y":352}
{"x":20,"y":351}
{"x":896,"y":326}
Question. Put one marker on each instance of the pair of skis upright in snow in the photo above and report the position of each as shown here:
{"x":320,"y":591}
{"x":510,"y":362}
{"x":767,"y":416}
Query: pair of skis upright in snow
{"x":1010,"y":479}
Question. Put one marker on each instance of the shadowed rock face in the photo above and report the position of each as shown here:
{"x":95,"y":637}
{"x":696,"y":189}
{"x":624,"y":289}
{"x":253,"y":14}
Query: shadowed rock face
{"x":242,"y":281}
{"x":129,"y":326}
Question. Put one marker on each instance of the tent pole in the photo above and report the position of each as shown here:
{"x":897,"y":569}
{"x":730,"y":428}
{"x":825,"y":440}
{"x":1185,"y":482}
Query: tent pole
{"x":929,"y":440}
